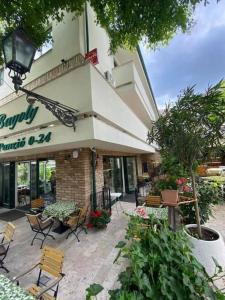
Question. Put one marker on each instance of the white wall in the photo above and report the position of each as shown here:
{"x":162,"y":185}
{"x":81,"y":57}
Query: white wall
{"x":72,"y":89}
{"x":98,"y":38}
{"x":107,"y":103}
{"x":66,"y":43}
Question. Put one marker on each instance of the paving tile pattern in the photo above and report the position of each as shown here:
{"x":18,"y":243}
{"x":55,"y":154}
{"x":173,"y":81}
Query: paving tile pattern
{"x":86,"y":262}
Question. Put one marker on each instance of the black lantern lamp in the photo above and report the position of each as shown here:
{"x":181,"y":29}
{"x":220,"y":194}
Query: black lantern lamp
{"x":19,"y":54}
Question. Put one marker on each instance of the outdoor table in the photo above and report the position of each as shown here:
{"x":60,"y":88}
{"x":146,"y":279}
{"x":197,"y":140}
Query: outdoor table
{"x":60,"y":211}
{"x":145,"y":211}
{"x":11,"y":291}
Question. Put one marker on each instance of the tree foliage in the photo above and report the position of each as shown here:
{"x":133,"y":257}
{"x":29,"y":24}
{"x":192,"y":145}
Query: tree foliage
{"x":192,"y":128}
{"x":126,"y":22}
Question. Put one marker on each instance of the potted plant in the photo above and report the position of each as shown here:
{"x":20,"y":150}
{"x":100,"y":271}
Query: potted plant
{"x":191,"y":131}
{"x":99,"y":219}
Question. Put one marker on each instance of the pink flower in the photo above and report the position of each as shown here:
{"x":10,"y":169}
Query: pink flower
{"x":183,"y":180}
{"x":178,"y":182}
{"x":186,"y":189}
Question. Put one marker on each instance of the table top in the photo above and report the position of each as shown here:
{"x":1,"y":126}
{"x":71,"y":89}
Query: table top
{"x":61,"y":209}
{"x":159,"y":212}
{"x":9,"y":290}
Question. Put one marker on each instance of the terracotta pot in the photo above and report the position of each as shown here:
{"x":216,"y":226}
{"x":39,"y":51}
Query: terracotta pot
{"x":170,"y":197}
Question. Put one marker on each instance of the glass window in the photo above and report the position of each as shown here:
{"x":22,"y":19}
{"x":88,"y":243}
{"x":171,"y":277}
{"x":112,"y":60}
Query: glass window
{"x":1,"y":76}
{"x":45,"y":47}
{"x":144,"y":167}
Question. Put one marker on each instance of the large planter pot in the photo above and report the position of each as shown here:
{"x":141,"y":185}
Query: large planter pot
{"x":170,"y":197}
{"x":205,"y":250}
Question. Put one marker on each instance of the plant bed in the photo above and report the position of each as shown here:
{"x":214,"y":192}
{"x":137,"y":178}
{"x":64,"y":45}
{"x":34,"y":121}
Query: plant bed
{"x":207,"y":235}
{"x":207,"y":250}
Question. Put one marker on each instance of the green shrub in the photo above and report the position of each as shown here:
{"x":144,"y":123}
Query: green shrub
{"x":161,"y":266}
{"x":208,"y":195}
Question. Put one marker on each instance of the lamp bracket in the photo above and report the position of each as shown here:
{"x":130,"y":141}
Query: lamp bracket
{"x":65,"y":114}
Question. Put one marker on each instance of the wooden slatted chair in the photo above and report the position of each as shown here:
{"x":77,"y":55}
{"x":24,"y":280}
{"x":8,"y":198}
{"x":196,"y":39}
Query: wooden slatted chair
{"x":37,"y":205}
{"x":7,"y":236}
{"x":153,"y":201}
{"x":40,"y":227}
{"x":77,"y":222}
{"x":51,"y":264}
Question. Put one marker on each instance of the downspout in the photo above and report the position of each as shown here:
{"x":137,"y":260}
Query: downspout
{"x":86,"y":27}
{"x":93,"y":151}
{"x":93,"y":162}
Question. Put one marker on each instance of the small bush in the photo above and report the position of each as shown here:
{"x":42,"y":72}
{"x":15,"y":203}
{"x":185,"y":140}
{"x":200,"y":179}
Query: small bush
{"x":161,"y":265}
{"x":208,"y":195}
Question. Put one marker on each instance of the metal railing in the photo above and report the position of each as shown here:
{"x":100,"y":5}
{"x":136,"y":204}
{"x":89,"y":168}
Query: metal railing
{"x":103,"y":199}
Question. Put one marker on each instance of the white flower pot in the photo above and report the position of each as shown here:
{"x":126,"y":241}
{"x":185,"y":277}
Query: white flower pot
{"x":205,"y":250}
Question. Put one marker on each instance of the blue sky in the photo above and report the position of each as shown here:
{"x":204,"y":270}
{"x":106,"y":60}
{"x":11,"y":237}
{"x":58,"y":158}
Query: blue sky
{"x":194,"y":58}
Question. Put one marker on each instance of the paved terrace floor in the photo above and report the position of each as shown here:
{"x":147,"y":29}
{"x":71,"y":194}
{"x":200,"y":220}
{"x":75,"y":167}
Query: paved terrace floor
{"x":86,"y":262}
{"x":217,"y":222}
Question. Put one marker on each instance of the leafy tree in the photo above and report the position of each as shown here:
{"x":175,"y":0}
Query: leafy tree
{"x":126,"y":22}
{"x":191,"y":129}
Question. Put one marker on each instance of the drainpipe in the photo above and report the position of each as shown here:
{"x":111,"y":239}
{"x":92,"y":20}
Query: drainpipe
{"x":93,"y":162}
{"x":93,"y":150}
{"x":86,"y":27}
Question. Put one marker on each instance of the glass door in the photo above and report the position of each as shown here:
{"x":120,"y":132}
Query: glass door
{"x":7,"y":185}
{"x":130,"y":173}
{"x":112,"y":168}
{"x":23,"y":184}
{"x":47,"y":180}
{"x":34,"y":176}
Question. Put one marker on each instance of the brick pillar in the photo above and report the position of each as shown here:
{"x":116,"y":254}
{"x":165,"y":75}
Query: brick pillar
{"x":99,"y":173}
{"x":73,"y":181}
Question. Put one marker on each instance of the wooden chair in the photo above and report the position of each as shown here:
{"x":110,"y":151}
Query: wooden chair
{"x":153,"y":201}
{"x":37,"y":205}
{"x":51,"y":264}
{"x":40,"y":227}
{"x":77,"y":222}
{"x":7,"y":236}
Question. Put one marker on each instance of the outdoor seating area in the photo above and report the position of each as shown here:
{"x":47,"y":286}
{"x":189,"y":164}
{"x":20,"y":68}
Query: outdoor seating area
{"x":83,"y":263}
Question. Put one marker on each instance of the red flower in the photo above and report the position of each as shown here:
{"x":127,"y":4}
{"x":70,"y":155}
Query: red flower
{"x":89,"y":226}
{"x":93,"y":214}
{"x":98,"y":213}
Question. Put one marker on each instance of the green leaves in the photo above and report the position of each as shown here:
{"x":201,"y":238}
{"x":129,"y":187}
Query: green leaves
{"x":93,"y":290}
{"x":161,"y":265}
{"x":120,"y":244}
{"x":190,"y":130}
{"x":209,"y":194}
{"x":126,"y":22}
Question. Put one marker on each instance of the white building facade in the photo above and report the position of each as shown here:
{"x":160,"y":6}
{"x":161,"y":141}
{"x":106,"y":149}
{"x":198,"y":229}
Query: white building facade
{"x":39,"y":156}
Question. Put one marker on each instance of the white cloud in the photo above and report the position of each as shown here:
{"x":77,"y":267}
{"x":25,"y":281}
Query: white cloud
{"x":194,"y":58}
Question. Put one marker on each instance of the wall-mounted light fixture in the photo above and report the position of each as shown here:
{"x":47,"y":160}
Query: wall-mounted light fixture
{"x":19,"y":54}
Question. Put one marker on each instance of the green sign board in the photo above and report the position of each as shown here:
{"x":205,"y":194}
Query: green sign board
{"x":22,"y":142}
{"x":25,"y":116}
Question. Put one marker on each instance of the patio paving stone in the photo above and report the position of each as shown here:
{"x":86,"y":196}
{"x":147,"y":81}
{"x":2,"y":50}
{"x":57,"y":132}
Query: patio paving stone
{"x":87,"y":262}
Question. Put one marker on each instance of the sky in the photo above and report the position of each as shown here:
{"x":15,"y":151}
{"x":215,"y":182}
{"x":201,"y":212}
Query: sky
{"x":195,"y":58}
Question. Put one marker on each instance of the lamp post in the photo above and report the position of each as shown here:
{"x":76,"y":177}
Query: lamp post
{"x":19,"y":54}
